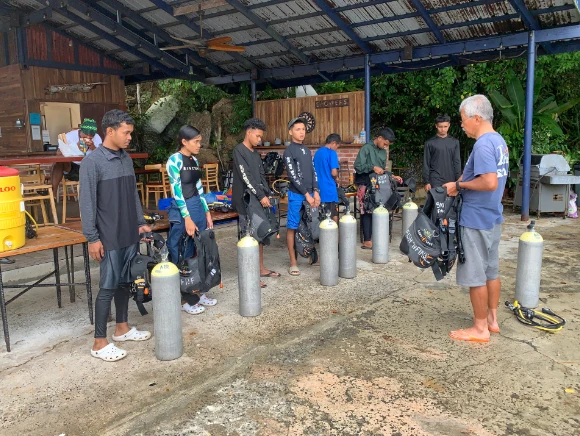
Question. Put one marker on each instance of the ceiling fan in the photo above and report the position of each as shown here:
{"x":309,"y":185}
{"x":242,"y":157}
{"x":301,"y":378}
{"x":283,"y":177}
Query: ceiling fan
{"x":221,"y":43}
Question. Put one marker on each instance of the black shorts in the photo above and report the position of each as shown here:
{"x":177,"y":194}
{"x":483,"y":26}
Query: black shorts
{"x":116,"y":266}
{"x":73,"y":174}
{"x":332,"y":207}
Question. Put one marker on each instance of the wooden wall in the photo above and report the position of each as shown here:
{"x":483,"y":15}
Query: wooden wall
{"x":12,"y":107}
{"x":346,"y":121}
{"x":8,"y":50}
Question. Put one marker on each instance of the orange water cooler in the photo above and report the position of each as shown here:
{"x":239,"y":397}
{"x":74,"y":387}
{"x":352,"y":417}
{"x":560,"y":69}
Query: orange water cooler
{"x":12,"y":217}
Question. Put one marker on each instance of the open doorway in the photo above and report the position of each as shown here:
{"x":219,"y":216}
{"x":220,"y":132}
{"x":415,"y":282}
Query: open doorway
{"x":59,"y":118}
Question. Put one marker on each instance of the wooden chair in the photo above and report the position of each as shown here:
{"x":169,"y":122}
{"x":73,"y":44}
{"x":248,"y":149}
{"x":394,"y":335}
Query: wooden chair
{"x":345,"y":176}
{"x":160,"y":188}
{"x":70,"y":188}
{"x":35,"y":191}
{"x":211,"y":177}
{"x":141,"y":190}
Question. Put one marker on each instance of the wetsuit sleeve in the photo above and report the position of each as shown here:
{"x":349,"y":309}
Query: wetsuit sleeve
{"x":88,"y":181}
{"x":314,"y":177}
{"x":457,"y":160}
{"x":426,"y":163}
{"x":199,"y":187}
{"x":362,"y":163}
{"x":289,"y":161}
{"x":242,"y":167}
{"x":174,"y":165}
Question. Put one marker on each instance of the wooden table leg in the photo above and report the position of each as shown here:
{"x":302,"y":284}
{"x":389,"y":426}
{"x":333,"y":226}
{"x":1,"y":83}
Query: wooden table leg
{"x":88,"y":280}
{"x":4,"y":315}
{"x":57,"y":277}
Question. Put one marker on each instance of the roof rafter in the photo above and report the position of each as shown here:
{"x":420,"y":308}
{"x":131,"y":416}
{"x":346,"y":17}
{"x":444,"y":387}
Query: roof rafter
{"x":528,"y":19}
{"x":266,"y":28}
{"x":147,"y":26}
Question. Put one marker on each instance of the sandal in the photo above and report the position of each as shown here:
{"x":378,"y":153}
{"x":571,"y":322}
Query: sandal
{"x":263,"y":284}
{"x":133,"y":335}
{"x":206,"y":301}
{"x":196,"y":309}
{"x":294,"y":271}
{"x":110,"y":353}
{"x":270,"y":273}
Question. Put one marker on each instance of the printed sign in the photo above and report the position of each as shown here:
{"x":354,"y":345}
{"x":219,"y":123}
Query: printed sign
{"x":325,"y":104}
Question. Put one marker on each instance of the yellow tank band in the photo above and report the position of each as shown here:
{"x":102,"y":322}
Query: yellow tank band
{"x":381,"y":210}
{"x":328,"y":224}
{"x":247,"y":241}
{"x":348,"y":219}
{"x":164,"y":269}
{"x":531,"y":237}
{"x":410,"y":205}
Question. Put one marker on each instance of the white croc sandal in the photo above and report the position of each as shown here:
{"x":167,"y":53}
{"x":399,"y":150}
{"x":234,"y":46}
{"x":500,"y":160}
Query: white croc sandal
{"x":206,"y":301}
{"x":133,"y":335}
{"x":110,"y":353}
{"x":196,"y":309}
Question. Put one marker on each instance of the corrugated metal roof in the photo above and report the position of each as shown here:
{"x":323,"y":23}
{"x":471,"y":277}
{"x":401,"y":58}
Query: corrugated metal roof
{"x":301,"y":28}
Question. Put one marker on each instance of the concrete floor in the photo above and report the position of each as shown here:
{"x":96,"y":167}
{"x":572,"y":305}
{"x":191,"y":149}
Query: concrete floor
{"x":370,"y":356}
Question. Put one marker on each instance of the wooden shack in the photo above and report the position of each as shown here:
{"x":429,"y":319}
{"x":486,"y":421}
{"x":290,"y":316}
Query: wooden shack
{"x":50,"y":83}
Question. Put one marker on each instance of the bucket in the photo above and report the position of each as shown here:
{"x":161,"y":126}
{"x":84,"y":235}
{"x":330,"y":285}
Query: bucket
{"x":12,"y":217}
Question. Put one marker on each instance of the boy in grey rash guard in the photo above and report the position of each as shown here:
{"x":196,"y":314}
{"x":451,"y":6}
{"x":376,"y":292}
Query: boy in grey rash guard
{"x":303,"y":184}
{"x":112,"y":221}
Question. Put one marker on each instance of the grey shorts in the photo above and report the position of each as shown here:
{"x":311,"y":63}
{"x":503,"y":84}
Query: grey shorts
{"x":116,"y":267}
{"x":481,"y":249}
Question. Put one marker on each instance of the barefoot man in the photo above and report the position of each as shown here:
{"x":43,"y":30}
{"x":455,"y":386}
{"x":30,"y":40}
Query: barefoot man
{"x":481,"y":185}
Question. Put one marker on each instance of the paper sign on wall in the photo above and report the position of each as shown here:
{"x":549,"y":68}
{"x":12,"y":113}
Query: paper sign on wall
{"x":36,"y":133}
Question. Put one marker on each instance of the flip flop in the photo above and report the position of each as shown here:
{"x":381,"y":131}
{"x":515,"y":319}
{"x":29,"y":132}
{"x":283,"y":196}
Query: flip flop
{"x":263,"y":284}
{"x":493,"y":330}
{"x":270,"y":273}
{"x":466,"y":337}
{"x":294,"y":271}
{"x":364,"y":247}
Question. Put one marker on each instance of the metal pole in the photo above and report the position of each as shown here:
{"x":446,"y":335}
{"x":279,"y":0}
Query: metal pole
{"x":367,"y":98}
{"x":253,"y":88}
{"x":527,"y":158}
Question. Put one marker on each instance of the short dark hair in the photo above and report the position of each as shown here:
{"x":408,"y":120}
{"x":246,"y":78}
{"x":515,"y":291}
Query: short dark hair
{"x":254,"y":123}
{"x":187,"y":133}
{"x":333,"y":137}
{"x":387,"y":133}
{"x":115,"y":118}
{"x":442,"y":119}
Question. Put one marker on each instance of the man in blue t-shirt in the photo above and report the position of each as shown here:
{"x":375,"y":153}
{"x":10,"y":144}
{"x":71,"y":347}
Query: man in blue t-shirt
{"x":326,"y":166}
{"x":481,"y":185}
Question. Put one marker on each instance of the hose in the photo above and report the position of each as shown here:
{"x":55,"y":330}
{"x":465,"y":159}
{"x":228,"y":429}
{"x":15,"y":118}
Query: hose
{"x":32,"y":233}
{"x":549,"y":321}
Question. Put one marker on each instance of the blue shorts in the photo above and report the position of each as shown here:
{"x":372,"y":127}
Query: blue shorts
{"x":294,"y":205}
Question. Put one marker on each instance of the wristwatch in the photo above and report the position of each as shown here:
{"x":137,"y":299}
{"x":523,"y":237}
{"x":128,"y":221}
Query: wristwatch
{"x":457,"y":186}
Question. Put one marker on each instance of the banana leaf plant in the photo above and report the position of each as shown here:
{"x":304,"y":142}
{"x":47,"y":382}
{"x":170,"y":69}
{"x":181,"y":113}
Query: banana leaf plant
{"x":513,"y":106}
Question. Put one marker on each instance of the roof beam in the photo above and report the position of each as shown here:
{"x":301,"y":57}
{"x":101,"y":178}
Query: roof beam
{"x":198,"y":6}
{"x":497,"y":43}
{"x":528,"y":19}
{"x":336,"y":19}
{"x":107,"y":36}
{"x":193,"y":26}
{"x":78,"y":11}
{"x":428,"y":20}
{"x":150,"y":27}
{"x":266,"y":28}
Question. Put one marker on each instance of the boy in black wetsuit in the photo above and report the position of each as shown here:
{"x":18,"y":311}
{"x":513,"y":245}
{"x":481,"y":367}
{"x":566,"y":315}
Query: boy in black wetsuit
{"x":303,"y":184}
{"x":249,"y":175}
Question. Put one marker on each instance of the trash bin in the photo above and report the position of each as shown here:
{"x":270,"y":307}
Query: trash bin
{"x":576,"y":169}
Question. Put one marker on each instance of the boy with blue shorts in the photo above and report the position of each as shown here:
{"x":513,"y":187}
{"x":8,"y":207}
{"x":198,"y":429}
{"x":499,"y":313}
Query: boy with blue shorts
{"x":303,"y":184}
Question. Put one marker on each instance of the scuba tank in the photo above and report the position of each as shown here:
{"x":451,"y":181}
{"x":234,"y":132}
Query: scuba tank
{"x":529,"y":269}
